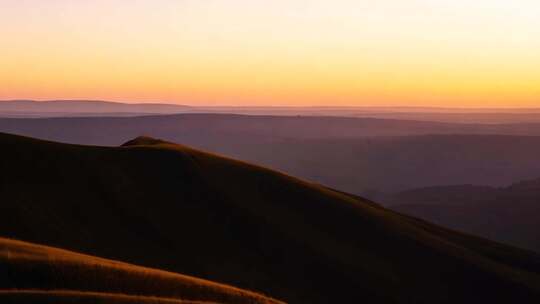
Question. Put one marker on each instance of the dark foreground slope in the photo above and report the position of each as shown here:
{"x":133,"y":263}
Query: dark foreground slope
{"x":171,"y":207}
{"x":507,"y":214}
{"x":39,"y":274}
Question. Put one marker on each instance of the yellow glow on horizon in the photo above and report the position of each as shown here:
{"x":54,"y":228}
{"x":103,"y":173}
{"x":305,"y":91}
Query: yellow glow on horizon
{"x":240,"y":52}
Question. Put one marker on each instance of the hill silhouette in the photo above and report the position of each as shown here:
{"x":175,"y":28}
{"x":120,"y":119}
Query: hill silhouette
{"x":507,"y":214}
{"x":38,"y":274}
{"x":168,"y":206}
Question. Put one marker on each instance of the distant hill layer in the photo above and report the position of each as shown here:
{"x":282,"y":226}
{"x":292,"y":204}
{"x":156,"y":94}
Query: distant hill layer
{"x":297,"y":127}
{"x":170,"y":207}
{"x":507,"y":214}
{"x":39,"y":274}
{"x":67,"y":108}
{"x":362,"y":156}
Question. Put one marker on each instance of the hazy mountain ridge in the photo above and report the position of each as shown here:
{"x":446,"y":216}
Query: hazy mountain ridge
{"x":53,"y":108}
{"x":78,"y":108}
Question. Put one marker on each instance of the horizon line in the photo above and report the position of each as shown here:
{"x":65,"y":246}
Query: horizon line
{"x":155,"y":102}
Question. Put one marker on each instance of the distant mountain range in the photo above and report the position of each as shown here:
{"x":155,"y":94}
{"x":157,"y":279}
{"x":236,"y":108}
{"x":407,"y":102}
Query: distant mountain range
{"x":507,"y":214}
{"x":77,"y":108}
{"x":167,"y":206}
{"x":60,"y":108}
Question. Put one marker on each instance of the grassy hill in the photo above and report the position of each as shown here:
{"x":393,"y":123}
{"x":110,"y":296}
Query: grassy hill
{"x":39,"y":274}
{"x":170,"y":207}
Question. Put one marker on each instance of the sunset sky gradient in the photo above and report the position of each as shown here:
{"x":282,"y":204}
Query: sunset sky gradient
{"x":282,"y":52}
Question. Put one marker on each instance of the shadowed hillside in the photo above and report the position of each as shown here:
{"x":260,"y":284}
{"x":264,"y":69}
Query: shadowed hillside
{"x":40,"y":274}
{"x":507,"y":214}
{"x":171,"y":207}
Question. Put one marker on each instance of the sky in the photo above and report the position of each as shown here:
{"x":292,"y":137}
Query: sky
{"x":460,"y":53}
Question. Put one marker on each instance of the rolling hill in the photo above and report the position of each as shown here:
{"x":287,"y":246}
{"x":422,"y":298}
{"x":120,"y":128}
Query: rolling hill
{"x":171,"y":207}
{"x":507,"y":214}
{"x":40,"y":274}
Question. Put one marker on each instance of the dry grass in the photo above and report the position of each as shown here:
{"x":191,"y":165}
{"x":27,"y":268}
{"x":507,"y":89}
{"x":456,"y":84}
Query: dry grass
{"x":38,"y":272}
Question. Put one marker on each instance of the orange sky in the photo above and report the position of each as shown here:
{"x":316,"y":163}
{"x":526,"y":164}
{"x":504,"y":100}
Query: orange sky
{"x":238,"y":52}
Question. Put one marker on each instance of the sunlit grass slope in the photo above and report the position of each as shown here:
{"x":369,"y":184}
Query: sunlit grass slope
{"x":39,"y":274}
{"x":170,"y":207}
